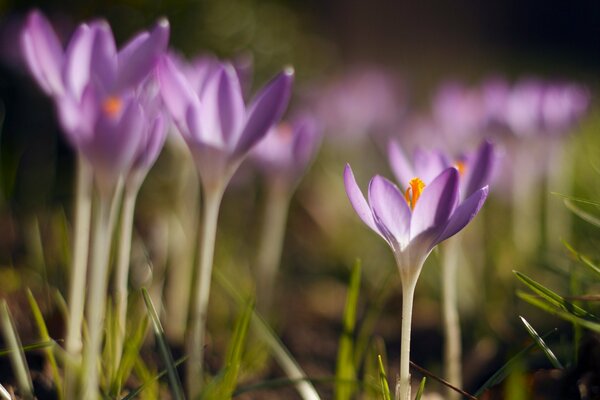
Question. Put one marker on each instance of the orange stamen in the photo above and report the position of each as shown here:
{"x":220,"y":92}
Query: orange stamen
{"x":413,"y":192}
{"x":112,"y":106}
{"x":461,"y":166}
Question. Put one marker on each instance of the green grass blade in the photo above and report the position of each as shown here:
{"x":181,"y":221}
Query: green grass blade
{"x":385,"y":389}
{"x":578,"y":199}
{"x":131,"y":351}
{"x":566,"y":315}
{"x":4,"y":395}
{"x":29,"y":347}
{"x":541,"y":344}
{"x":584,"y":260}
{"x":45,"y":336}
{"x":345,"y":370}
{"x":421,"y":388}
{"x":281,"y":354}
{"x":173,"y":377}
{"x":554,"y":298}
{"x":584,"y":215}
{"x":17,"y":355}
{"x":371,"y":368}
{"x":137,"y":391}
{"x":508,"y":367}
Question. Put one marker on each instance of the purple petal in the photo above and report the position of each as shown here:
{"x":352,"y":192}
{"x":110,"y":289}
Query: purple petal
{"x":76,"y":116}
{"x":358,"y":201}
{"x":306,"y":140}
{"x":266,"y":110}
{"x":480,"y":171}
{"x":428,"y":164}
{"x":78,"y":60}
{"x":392,"y":214}
{"x":175,"y":90}
{"x":43,"y":53}
{"x":141,"y":54}
{"x":104,"y":56}
{"x":400,"y":166}
{"x":152,"y":145}
{"x":436,"y":204}
{"x":194,"y":133}
{"x":223,"y":107}
{"x":464,"y":213}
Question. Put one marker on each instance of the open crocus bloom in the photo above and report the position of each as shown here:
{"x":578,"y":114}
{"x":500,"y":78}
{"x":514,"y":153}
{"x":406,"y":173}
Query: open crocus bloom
{"x":214,"y":121}
{"x":475,"y":168}
{"x":413,"y":223}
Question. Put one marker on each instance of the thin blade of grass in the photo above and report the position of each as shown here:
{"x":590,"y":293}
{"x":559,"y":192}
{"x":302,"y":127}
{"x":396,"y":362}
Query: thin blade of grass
{"x":584,"y":215}
{"x":173,"y":377}
{"x":17,"y":355}
{"x":29,"y":347}
{"x":344,"y":369}
{"x":133,"y":344}
{"x":584,"y":260}
{"x":541,"y":344}
{"x":385,"y":389}
{"x":577,"y":199}
{"x":371,"y":368}
{"x":4,"y":395}
{"x":553,"y":297}
{"x":421,"y":388}
{"x":566,"y":315}
{"x":136,"y":392}
{"x":281,"y":354}
{"x":44,"y":335}
{"x":507,"y":368}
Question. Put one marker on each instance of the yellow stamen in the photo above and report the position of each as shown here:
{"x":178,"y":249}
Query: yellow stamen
{"x":461,"y":166}
{"x":413,"y":192}
{"x":112,"y":106}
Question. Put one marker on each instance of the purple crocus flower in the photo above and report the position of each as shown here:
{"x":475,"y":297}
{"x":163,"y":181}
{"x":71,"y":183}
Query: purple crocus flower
{"x":475,"y":168}
{"x":415,"y":222}
{"x":288,"y":148}
{"x":94,"y":88}
{"x":214,"y":121}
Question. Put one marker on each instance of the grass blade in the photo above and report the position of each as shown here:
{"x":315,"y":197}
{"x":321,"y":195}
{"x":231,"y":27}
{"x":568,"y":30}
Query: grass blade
{"x":16,"y":355}
{"x":29,"y":347}
{"x":131,"y":351}
{"x":163,"y":347}
{"x":554,"y":298}
{"x":584,"y":215}
{"x":586,"y":261}
{"x":541,"y":344}
{"x":577,"y":199}
{"x":507,"y":368}
{"x":345,"y":370}
{"x":136,"y":392}
{"x":281,"y":354}
{"x":385,"y":389}
{"x":44,"y":335}
{"x":421,"y":388}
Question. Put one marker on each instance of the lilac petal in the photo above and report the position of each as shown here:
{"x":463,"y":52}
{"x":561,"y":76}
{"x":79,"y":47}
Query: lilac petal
{"x":194,"y":133}
{"x":77,"y":117}
{"x":266,"y":109}
{"x":357,"y":199}
{"x":43,"y":53}
{"x":223,"y":107}
{"x":141,"y":54}
{"x":399,"y":163}
{"x":104,"y":56}
{"x":481,"y":169}
{"x":152,"y":144}
{"x":78,"y":60}
{"x":428,"y":164}
{"x":436,"y":204}
{"x":306,"y":140}
{"x":175,"y":90}
{"x":464,"y":213}
{"x":392,"y":214}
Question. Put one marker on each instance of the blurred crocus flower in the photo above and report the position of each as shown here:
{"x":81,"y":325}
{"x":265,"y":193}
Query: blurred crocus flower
{"x":285,"y":152}
{"x":213,"y":119}
{"x":475,"y":168}
{"x":94,"y":88}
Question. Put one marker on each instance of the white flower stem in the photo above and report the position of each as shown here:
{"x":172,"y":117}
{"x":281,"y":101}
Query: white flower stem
{"x":122,"y":271}
{"x":408,"y":293}
{"x":196,"y":331}
{"x":96,"y":303}
{"x":452,"y":335}
{"x":76,"y":302}
{"x":271,"y":244}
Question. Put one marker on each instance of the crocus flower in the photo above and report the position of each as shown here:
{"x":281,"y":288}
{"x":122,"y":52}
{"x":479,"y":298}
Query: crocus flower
{"x":214,"y":121}
{"x":287,"y":149}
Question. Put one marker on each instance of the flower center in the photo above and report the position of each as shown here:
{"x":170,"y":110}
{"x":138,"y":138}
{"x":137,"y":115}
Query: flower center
{"x":413,"y":192}
{"x":461,"y":166}
{"x":112,"y":106}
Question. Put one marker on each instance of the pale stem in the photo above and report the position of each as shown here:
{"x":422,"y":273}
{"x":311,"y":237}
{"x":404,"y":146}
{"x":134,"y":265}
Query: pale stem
{"x":122,"y":271}
{"x":271,"y":244}
{"x":195,"y":338}
{"x":526,"y":221}
{"x":408,"y":293}
{"x":452,"y":336}
{"x":98,"y":285}
{"x":81,"y":238}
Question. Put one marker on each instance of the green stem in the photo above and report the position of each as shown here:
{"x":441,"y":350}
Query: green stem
{"x":271,"y":244}
{"x":195,"y":337}
{"x":452,"y":336}
{"x":122,"y":271}
{"x":81,"y":237}
{"x":408,"y":294}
